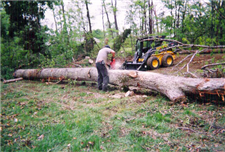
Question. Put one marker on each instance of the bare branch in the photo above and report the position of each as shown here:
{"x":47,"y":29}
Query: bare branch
{"x":182,"y":61}
{"x":12,"y":80}
{"x":213,"y":64}
{"x":77,"y":65}
{"x":159,"y":39}
{"x":182,"y":44}
{"x":204,"y":46}
{"x":193,"y":75}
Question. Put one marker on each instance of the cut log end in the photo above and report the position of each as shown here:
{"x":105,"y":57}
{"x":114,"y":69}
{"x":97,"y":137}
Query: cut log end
{"x":133,"y":74}
{"x":179,"y":99}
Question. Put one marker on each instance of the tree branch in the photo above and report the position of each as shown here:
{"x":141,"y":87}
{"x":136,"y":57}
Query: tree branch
{"x":182,"y":61}
{"x":213,"y":64}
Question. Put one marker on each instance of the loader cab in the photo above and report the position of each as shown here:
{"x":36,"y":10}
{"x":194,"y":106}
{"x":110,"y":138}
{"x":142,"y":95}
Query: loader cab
{"x":141,"y":48}
{"x":144,"y":44}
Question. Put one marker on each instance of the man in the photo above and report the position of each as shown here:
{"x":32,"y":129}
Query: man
{"x":101,"y":61}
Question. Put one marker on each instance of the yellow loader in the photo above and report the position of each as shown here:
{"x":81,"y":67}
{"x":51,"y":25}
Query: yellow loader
{"x":151,"y":53}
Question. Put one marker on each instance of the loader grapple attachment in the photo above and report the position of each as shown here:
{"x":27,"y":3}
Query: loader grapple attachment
{"x":134,"y":66}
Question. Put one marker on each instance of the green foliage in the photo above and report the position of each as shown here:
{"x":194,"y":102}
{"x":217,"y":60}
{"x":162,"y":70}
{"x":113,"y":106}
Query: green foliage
{"x":153,"y":44}
{"x":4,"y":23}
{"x":98,"y":34}
{"x":129,"y":52}
{"x":119,"y":40}
{"x":13,"y":56}
{"x":197,"y":22}
{"x":22,"y":36}
{"x":185,"y":40}
{"x":25,"y":22}
{"x":30,"y":45}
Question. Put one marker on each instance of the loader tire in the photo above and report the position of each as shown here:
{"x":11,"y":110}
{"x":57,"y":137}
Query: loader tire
{"x":153,"y":63}
{"x":167,"y":60}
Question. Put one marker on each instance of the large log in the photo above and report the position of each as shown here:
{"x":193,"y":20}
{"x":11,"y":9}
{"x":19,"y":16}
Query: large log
{"x":175,"y":88}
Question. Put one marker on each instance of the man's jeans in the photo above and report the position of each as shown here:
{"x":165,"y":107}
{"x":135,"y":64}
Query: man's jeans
{"x":103,"y":78}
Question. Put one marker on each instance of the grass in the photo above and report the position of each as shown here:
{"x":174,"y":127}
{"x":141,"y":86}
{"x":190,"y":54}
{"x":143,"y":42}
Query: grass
{"x":64,"y":117}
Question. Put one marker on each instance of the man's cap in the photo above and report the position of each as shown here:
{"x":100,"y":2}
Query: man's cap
{"x":107,"y":46}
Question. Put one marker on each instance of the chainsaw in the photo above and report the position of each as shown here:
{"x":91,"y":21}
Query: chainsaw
{"x":112,"y":63}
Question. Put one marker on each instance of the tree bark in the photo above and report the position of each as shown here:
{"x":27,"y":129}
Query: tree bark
{"x":156,"y":19}
{"x":115,"y":16}
{"x":103,"y":22}
{"x":175,"y":88}
{"x":107,"y":15}
{"x":88,"y":16}
{"x":54,"y":16}
{"x":145,"y":17}
{"x":90,"y":37}
{"x":150,"y":5}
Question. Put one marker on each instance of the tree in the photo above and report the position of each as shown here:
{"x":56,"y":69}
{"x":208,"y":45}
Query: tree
{"x":98,"y":34}
{"x":64,"y":29}
{"x":150,"y":5}
{"x":5,"y":23}
{"x":217,"y":20}
{"x":195,"y":21}
{"x":141,"y":13}
{"x":107,"y":15}
{"x":103,"y":22}
{"x":22,"y":36}
{"x":120,"y":39}
{"x":25,"y":19}
{"x":89,"y":36}
{"x":114,"y":7}
{"x":130,"y":20}
{"x":175,"y":88}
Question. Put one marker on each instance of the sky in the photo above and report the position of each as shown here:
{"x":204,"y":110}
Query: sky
{"x":95,"y":12}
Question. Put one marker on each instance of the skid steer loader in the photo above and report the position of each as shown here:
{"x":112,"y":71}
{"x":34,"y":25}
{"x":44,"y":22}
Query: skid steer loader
{"x":151,"y":53}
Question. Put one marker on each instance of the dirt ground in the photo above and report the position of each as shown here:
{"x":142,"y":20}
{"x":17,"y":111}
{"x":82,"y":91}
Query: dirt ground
{"x":194,"y":67}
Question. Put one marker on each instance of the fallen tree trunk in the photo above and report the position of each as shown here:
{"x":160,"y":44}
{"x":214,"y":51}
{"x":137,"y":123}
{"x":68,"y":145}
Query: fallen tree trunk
{"x":175,"y":88}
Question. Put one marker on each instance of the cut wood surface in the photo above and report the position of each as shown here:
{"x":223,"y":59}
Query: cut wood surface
{"x":175,"y":88}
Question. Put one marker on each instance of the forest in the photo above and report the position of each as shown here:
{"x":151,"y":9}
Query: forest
{"x":26,"y":43}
